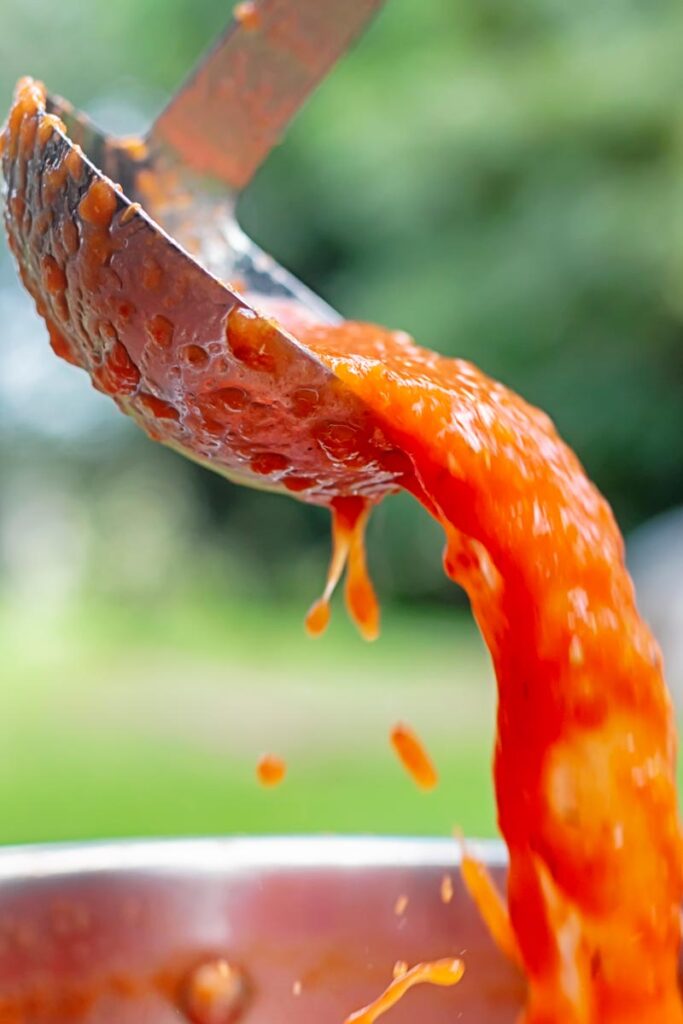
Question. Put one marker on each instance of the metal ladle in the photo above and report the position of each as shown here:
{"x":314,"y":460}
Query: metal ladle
{"x":216,"y":131}
{"x":153,"y":288}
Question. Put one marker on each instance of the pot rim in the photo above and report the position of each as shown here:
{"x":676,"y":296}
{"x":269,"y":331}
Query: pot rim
{"x":221,"y":854}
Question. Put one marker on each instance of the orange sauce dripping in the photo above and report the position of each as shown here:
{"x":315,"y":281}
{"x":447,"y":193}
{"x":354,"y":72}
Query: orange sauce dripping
{"x":490,"y":904}
{"x":437,"y":972}
{"x":361,"y":600}
{"x":414,"y":757}
{"x":349,"y":519}
{"x":271,"y":770}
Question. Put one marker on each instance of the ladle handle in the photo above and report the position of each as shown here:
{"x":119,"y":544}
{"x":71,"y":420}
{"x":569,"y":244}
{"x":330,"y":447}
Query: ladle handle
{"x":236,"y":104}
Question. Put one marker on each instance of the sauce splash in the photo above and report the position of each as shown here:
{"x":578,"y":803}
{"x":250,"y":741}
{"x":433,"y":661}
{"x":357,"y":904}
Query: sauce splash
{"x":490,"y":903}
{"x":438,"y":972}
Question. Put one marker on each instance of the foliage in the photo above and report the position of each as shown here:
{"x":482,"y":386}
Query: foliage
{"x":501,"y":178}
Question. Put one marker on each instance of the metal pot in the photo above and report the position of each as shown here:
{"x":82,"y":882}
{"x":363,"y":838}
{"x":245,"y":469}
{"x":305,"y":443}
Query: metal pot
{"x":108,"y":933}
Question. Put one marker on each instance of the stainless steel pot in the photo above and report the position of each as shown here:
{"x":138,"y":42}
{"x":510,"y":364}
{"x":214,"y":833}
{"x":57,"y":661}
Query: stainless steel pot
{"x":106,"y":933}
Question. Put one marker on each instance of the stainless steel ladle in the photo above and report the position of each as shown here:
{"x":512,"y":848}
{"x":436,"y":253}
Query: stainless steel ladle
{"x":132,"y":253}
{"x":204,"y":148}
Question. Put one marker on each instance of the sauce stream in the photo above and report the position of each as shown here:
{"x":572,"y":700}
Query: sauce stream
{"x":438,"y":972}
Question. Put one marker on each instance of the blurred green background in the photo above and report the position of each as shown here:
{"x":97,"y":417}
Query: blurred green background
{"x":502,"y":178}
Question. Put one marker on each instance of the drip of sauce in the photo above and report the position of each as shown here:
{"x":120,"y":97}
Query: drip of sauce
{"x":490,"y":904}
{"x":318,"y":615}
{"x":349,"y":519}
{"x":437,"y":972}
{"x":271,"y":770}
{"x":414,"y":757}
{"x":361,"y":600}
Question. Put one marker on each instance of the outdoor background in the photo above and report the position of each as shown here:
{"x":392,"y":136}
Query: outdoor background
{"x":502,"y":178}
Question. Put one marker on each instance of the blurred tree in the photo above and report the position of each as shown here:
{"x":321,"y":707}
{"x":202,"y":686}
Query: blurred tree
{"x":503,"y":179}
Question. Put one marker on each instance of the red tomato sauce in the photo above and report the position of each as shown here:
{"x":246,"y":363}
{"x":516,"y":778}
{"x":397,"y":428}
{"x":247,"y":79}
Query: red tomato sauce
{"x":585,"y":746}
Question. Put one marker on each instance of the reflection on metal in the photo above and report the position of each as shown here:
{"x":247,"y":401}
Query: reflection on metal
{"x":116,"y":929}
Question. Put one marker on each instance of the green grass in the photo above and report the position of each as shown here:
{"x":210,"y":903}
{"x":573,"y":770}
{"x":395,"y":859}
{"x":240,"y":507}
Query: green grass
{"x":131,"y":720}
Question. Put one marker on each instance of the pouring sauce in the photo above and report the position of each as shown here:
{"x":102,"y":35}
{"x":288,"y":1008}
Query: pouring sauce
{"x":585,"y":745}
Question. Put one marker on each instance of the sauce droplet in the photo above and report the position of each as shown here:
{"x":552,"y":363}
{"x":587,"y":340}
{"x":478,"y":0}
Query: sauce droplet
{"x":318,"y":616}
{"x":73,"y":162}
{"x":61,"y":346}
{"x":157,"y":407}
{"x":304,"y":401}
{"x":271,"y":770}
{"x":129,"y":213}
{"x":401,"y":905}
{"x":118,"y":374}
{"x":215,"y":993}
{"x":414,"y":757}
{"x":339,"y":441}
{"x":297,"y":484}
{"x":54,"y":278}
{"x":152,"y":274}
{"x":159,"y":330}
{"x":221,"y":404}
{"x":254,"y":340}
{"x":266,"y":463}
{"x":437,"y":972}
{"x":194,"y":355}
{"x":126,"y":310}
{"x":70,"y":237}
{"x":98,"y":205}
